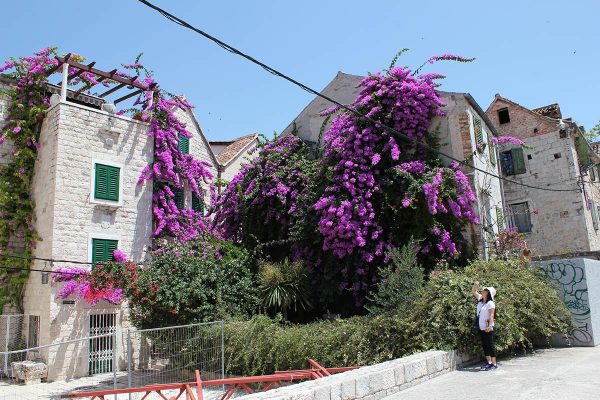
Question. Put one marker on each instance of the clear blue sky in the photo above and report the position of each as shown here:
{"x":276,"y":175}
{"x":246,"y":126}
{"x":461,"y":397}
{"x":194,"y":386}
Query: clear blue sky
{"x":533,"y":52}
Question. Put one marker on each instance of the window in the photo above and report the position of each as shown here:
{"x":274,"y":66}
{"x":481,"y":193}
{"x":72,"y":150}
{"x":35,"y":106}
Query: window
{"x":478,"y":130}
{"x":106,"y":182}
{"x":492,"y":149}
{"x":103,"y":250}
{"x":503,"y":116}
{"x":197,"y":203}
{"x":513,"y":161}
{"x":520,"y":216}
{"x":179,"y":198}
{"x":184,"y":144}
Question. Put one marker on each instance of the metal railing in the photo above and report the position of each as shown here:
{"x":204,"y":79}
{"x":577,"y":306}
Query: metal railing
{"x":50,"y":371}
{"x":173,"y":354}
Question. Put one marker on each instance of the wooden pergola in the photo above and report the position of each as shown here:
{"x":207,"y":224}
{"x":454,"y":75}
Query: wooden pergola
{"x":121,"y":82}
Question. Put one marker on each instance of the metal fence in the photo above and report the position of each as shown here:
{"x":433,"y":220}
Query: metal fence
{"x":47,"y":372}
{"x":173,"y":354}
{"x":17,"y":331}
{"x":112,"y":360}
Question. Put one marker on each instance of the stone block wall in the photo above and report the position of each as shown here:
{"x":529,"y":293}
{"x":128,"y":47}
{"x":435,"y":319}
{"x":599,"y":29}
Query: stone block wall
{"x":371,"y":382}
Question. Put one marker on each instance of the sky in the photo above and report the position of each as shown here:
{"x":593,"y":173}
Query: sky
{"x":532,"y":52}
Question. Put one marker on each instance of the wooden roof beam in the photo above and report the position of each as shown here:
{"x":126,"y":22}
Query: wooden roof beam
{"x":112,"y":90}
{"x":130,"y":95}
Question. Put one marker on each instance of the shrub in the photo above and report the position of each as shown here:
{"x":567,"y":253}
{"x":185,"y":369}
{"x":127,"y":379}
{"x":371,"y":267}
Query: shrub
{"x":202,"y":280}
{"x":528,"y":307}
{"x":283,"y":287}
{"x":442,"y":317}
{"x":401,"y":282}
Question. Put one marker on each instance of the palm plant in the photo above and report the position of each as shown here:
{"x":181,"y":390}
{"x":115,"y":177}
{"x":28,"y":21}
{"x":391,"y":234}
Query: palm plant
{"x":283,"y":287}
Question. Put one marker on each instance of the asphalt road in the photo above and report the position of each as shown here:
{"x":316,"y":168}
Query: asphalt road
{"x":568,"y":373}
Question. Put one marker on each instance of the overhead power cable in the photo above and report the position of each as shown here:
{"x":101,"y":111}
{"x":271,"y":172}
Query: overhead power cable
{"x":18,"y":256}
{"x":306,"y":88}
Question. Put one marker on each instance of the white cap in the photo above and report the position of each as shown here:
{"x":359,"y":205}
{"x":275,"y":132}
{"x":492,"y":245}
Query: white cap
{"x":491,"y":290}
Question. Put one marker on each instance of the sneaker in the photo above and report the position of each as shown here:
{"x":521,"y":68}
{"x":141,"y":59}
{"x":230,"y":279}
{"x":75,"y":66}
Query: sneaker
{"x":490,"y":367}
{"x":485,"y":366}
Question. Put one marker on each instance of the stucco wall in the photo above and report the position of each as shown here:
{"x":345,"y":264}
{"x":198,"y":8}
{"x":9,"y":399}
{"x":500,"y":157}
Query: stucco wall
{"x":232,"y":168}
{"x":578,"y":283}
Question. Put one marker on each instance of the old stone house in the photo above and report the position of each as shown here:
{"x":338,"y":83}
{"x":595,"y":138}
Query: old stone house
{"x":556,"y":157}
{"x":88,"y":203}
{"x":232,"y":154}
{"x":465,"y":132}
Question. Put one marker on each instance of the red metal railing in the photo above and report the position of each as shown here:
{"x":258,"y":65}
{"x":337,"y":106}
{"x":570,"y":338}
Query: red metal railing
{"x":279,"y":378}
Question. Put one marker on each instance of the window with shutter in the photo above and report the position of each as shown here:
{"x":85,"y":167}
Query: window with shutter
{"x":518,"y":160}
{"x":197,"y":203}
{"x":499,"y":218}
{"x":106,"y":182}
{"x":492,"y":149}
{"x":478,"y":130}
{"x":184,"y":144}
{"x":179,"y":198}
{"x":506,"y":162}
{"x":103,"y":250}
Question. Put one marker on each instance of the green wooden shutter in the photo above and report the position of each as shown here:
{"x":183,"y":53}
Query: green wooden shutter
{"x":499,"y":218}
{"x":197,"y":203}
{"x":103,"y":250}
{"x":184,"y":144}
{"x":106,"y":182}
{"x":179,"y":198}
{"x":518,"y":160}
{"x":478,"y":130}
{"x":492,"y":149}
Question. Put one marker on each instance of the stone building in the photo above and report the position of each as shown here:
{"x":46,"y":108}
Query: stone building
{"x":557,"y":156}
{"x":232,"y":154}
{"x":88,"y":203}
{"x":462,"y":131}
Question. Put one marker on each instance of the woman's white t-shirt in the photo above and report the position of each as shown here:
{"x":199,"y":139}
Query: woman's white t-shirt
{"x":483,"y":311}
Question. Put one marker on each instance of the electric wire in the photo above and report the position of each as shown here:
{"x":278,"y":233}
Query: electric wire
{"x":306,"y":88}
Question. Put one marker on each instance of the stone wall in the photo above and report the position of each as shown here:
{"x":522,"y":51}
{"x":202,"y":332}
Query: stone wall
{"x":578,"y":284}
{"x":561,"y":221}
{"x":372,"y":382}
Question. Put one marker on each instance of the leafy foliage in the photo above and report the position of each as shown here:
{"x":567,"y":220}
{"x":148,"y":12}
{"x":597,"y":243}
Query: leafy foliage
{"x":283,"y":286}
{"x":442,"y":317}
{"x":202,"y":280}
{"x":401,"y":282}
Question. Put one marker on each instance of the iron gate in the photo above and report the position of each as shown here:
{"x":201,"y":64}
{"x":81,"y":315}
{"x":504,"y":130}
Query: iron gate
{"x":101,"y":352}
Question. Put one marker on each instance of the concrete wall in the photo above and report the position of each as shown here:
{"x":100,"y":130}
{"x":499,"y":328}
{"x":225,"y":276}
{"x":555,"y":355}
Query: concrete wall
{"x":578,"y":284}
{"x":372,"y":382}
{"x":561,"y":221}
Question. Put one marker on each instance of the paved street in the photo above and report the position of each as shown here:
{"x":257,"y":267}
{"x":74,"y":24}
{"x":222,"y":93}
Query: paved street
{"x":549,"y":374}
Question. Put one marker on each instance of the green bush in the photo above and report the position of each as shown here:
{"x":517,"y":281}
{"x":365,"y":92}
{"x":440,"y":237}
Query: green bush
{"x":401,"y":282}
{"x":528,"y":307}
{"x":283,"y":287}
{"x":442,"y":317}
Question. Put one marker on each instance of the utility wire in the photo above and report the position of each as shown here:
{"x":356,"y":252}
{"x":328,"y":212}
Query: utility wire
{"x":49,"y":271}
{"x":6,"y":255}
{"x":277,"y":73}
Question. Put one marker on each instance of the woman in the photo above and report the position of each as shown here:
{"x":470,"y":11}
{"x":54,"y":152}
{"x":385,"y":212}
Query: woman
{"x":486,"y":310}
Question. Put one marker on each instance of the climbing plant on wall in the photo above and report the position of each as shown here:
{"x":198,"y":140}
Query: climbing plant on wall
{"x":28,"y":101}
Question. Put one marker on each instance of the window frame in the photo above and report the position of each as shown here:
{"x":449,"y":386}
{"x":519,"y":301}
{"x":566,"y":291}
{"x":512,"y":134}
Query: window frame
{"x":528,"y":216}
{"x":92,"y":195}
{"x":100,"y":236}
{"x":500,"y":119}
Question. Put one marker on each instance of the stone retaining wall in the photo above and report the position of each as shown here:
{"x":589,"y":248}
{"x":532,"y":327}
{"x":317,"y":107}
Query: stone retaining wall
{"x":371,"y":382}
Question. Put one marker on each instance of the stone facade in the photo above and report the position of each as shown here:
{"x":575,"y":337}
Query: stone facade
{"x":456,"y":132}
{"x":67,"y":217}
{"x":560,"y":222}
{"x":232,"y":155}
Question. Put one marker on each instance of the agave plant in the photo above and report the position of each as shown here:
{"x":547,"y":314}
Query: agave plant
{"x":283,"y":287}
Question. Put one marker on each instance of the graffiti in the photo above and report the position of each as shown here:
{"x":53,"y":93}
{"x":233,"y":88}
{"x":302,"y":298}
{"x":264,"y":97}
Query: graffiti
{"x":572,"y":284}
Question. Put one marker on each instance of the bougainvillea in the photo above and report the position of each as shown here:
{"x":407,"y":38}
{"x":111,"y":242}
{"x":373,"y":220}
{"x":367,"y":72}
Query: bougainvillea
{"x":375,"y":188}
{"x":269,"y":199}
{"x":76,"y":284}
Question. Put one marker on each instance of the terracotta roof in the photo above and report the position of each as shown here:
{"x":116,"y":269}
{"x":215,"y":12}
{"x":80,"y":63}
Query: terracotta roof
{"x":551,"y":110}
{"x":233,"y":149}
